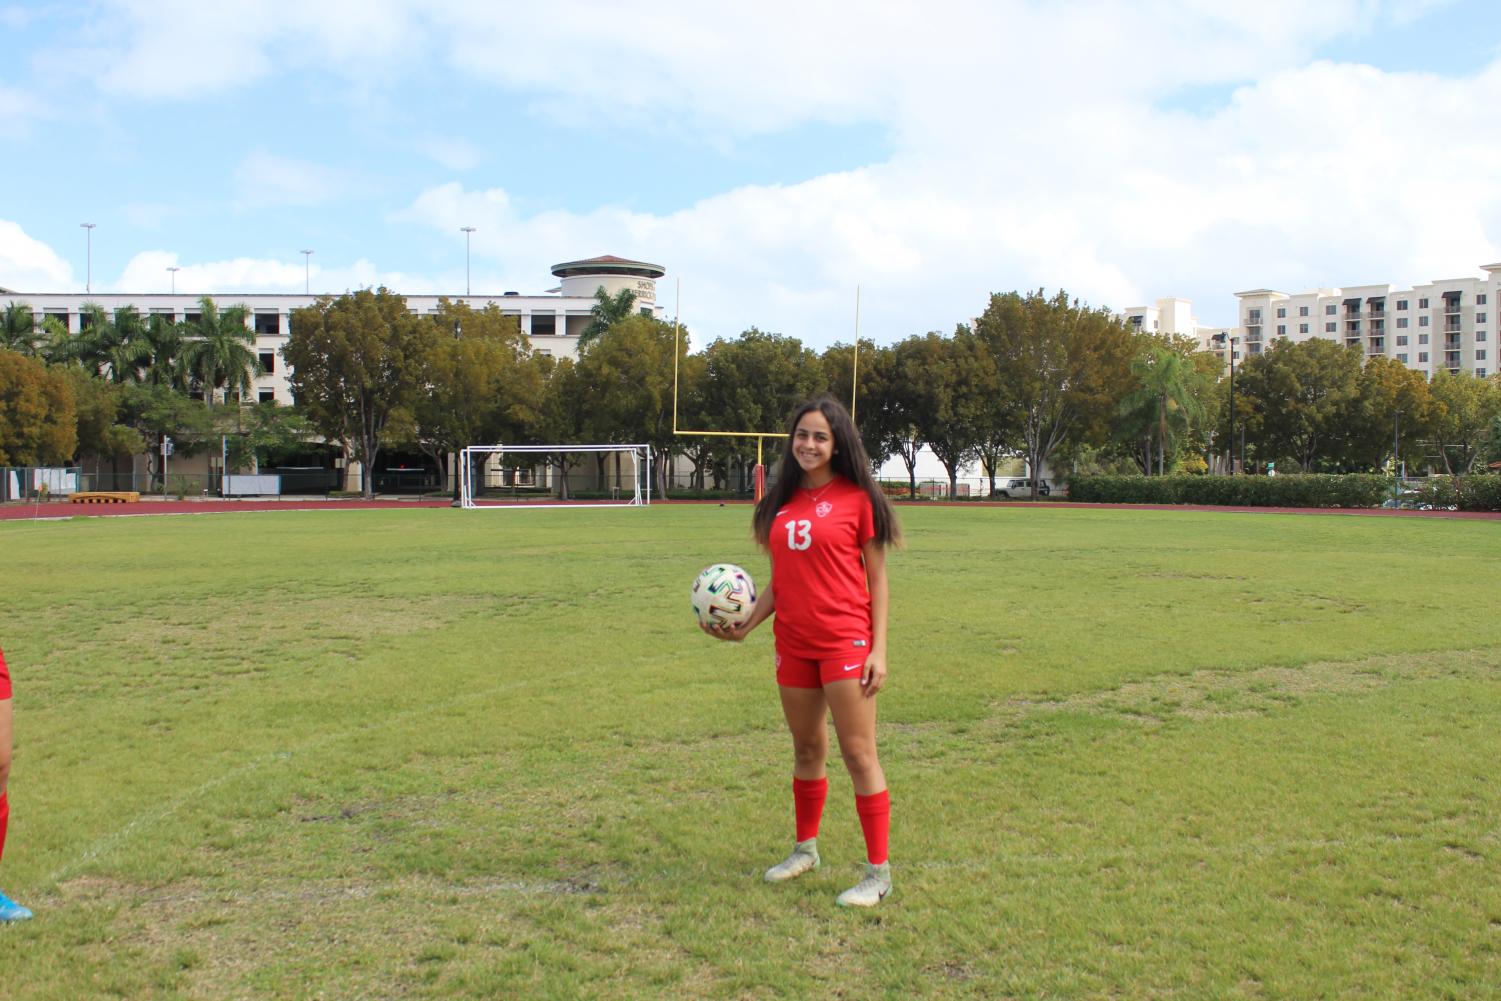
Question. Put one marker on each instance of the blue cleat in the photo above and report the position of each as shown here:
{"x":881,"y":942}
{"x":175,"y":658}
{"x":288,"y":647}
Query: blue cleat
{"x":12,"y":911}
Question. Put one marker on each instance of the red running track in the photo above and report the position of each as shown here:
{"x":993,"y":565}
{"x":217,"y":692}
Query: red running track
{"x":56,"y":510}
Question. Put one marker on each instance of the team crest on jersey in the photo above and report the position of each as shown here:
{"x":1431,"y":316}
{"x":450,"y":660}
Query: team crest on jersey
{"x":823,"y":508}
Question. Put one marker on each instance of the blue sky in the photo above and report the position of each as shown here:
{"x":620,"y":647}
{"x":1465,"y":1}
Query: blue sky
{"x":771,"y":159}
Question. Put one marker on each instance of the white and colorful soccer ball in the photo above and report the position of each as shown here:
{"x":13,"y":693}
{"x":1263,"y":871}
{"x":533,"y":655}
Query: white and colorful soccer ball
{"x":723,"y":593}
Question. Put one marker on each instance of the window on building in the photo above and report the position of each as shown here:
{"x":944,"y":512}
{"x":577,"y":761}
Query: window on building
{"x":267,"y":396}
{"x":267,"y":323}
{"x":1422,"y":321}
{"x":85,"y":319}
{"x":1422,"y":303}
{"x":1281,"y":312}
{"x":1480,"y":335}
{"x":1329,"y":310}
{"x":1422,"y":338}
{"x":191,"y":318}
{"x":1256,"y":349}
{"x":1401,"y":322}
{"x":1281,"y":330}
{"x":1330,"y":328}
{"x":1480,"y":299}
{"x":1480,"y":373}
{"x":1302,"y":328}
{"x":1302,"y":310}
{"x":1479,"y":317}
{"x":1401,"y":340}
{"x":268,"y":362}
{"x":1401,"y":303}
{"x":1402,"y":358}
{"x":1422,"y":357}
{"x":1480,"y":355}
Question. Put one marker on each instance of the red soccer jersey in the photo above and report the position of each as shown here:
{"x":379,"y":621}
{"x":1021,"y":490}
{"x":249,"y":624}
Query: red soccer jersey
{"x":818,"y":573}
{"x":4,"y":678}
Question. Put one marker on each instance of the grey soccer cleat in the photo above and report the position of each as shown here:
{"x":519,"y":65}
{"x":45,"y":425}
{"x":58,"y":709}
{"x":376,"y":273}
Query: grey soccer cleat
{"x":804,"y":858}
{"x":871,"y":890}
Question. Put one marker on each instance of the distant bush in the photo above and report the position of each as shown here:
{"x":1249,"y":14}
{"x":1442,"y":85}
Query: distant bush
{"x":1480,"y":492}
{"x":1300,"y":490}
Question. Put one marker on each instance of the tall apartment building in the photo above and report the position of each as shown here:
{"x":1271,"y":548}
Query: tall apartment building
{"x":1447,"y":325}
{"x":1175,"y":317}
{"x":552,"y":320}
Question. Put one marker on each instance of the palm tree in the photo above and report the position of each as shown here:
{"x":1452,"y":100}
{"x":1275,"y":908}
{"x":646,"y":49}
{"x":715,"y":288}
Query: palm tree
{"x":122,"y":344}
{"x":18,"y":329}
{"x":1167,"y":382}
{"x":56,"y":346}
{"x":220,"y":350}
{"x":607,"y":311}
{"x":165,"y":367}
{"x":88,"y":349}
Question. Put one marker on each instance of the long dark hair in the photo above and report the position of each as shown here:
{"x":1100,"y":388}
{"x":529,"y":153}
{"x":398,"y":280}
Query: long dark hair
{"x":849,"y":460}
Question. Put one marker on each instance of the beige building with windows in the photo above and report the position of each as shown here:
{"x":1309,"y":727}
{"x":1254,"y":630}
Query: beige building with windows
{"x":552,"y":320}
{"x":1444,"y":325}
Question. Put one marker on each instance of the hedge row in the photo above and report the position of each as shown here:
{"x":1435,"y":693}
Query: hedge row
{"x":1301,"y":490}
{"x":1481,"y":492}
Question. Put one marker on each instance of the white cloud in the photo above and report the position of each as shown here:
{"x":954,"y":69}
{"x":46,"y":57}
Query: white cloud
{"x":147,"y":272}
{"x":1321,"y":175}
{"x":185,"y":50}
{"x":265,"y":179}
{"x":1029,"y":147}
{"x":149,"y":215}
{"x":28,"y":265}
{"x":17,"y":106}
{"x":453,"y":153}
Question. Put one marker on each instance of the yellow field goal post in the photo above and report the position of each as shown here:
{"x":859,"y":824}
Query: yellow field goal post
{"x":760,"y":436}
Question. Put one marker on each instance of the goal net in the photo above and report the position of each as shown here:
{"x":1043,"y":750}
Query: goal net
{"x":511,"y":476}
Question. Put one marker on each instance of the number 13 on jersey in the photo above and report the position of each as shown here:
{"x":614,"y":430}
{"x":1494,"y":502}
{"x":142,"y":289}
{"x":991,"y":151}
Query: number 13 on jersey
{"x":799,"y":534}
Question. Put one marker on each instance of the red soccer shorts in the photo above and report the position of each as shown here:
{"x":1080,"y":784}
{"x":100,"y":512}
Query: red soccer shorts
{"x":801,"y":672}
{"x":4,"y":679}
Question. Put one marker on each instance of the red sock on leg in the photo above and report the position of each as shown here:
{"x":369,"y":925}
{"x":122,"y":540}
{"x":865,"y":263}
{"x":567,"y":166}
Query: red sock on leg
{"x":875,"y":821}
{"x":4,"y":819}
{"x":808,"y":797}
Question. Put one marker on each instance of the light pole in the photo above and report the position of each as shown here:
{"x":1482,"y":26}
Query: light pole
{"x":174,"y":269}
{"x":1229,"y":342}
{"x":467,"y":230}
{"x":88,"y":283}
{"x":307,"y":271}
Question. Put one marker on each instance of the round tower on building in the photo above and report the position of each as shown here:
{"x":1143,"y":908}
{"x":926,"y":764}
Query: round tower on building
{"x":583,"y":278}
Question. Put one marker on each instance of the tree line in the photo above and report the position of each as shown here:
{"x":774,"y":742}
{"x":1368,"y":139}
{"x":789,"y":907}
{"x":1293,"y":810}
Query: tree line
{"x":1040,"y":377}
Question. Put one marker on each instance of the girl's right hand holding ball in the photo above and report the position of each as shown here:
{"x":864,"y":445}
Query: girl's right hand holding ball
{"x":724,"y":631}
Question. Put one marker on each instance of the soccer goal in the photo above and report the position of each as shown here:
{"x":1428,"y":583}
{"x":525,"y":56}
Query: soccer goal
{"x":531,"y":476}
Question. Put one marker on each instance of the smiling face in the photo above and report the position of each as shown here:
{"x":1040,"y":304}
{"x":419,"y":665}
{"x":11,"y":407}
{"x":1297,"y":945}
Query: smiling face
{"x":813,"y":447}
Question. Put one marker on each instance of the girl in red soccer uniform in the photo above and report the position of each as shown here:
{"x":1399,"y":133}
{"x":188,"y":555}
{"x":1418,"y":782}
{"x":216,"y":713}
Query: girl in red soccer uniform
{"x":827,"y":524}
{"x":9,"y":909}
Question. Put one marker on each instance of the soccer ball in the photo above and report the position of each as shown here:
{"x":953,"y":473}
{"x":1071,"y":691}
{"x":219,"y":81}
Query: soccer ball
{"x":723,"y":593}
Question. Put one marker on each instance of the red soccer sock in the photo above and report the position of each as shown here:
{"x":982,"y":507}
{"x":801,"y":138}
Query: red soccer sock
{"x":808,"y":797}
{"x":4,"y":819}
{"x":875,"y":821}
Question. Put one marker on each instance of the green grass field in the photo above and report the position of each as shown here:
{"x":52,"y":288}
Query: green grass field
{"x":444,"y":754}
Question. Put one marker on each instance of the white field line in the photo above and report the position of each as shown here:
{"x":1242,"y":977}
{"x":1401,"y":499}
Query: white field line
{"x":146,"y":818}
